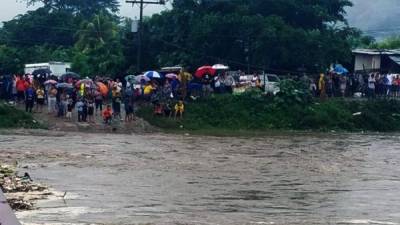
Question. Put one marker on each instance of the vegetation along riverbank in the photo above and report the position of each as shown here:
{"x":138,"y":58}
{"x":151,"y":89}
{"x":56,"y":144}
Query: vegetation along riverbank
{"x":292,"y":109}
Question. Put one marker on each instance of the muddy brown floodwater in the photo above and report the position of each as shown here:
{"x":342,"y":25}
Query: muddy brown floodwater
{"x":173,"y":179}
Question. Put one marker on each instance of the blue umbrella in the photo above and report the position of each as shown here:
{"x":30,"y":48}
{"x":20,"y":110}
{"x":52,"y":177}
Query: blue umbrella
{"x":152,"y":74}
{"x":339,"y":69}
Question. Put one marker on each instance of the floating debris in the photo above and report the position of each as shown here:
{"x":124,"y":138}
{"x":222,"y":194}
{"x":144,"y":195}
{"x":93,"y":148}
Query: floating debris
{"x":20,"y":191}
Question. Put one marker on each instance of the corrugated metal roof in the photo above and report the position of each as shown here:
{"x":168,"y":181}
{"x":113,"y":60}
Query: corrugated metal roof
{"x":376,"y":51}
{"x":395,"y":59}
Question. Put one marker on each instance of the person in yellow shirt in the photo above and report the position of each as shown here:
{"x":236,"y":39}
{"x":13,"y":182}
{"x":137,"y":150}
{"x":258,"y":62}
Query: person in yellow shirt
{"x":321,"y":86}
{"x":39,"y":99}
{"x":179,"y":109}
{"x":148,"y":89}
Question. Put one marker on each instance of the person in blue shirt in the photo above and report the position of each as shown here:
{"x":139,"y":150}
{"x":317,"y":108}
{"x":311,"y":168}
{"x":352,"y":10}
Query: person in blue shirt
{"x":29,"y":99}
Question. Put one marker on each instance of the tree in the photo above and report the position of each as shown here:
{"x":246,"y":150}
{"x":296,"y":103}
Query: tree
{"x":392,"y":42}
{"x":87,"y":8}
{"x":10,"y":61}
{"x":40,"y":27}
{"x":98,"y":48}
{"x":274,"y":34}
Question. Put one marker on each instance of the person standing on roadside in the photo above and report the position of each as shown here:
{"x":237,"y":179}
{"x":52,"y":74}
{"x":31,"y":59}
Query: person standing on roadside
{"x":322,"y":86}
{"x":39,"y":99}
{"x":79,"y":109}
{"x":52,"y":100}
{"x":371,"y":86}
{"x":21,"y":86}
{"x":229,"y":83}
{"x":29,"y":99}
{"x":98,"y":100}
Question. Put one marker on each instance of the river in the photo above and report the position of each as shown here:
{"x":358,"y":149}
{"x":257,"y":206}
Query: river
{"x":178,"y":179}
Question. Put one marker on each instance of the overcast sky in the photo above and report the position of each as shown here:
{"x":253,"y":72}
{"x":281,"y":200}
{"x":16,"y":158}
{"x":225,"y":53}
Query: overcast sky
{"x":10,"y":8}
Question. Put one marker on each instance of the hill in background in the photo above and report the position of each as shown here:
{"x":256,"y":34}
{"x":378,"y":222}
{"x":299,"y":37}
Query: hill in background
{"x":379,"y":19}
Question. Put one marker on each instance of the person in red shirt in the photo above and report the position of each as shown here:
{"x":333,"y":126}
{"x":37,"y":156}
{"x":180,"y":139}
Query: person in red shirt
{"x":107,"y":114}
{"x":21,"y":87}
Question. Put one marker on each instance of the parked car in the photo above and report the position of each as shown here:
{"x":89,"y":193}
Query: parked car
{"x":270,"y":82}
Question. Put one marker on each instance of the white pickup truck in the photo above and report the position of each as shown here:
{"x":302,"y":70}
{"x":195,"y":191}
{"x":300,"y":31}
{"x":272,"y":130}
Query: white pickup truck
{"x":270,"y":83}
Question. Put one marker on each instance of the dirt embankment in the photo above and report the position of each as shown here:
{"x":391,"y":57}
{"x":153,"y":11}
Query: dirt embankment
{"x":117,"y":126}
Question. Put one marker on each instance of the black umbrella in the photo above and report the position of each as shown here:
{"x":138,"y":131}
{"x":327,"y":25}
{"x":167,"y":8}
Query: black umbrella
{"x":69,"y":75}
{"x":41,"y":72}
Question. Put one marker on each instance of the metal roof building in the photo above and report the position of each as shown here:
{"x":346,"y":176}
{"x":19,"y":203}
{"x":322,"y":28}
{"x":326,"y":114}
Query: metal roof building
{"x":377,"y":60}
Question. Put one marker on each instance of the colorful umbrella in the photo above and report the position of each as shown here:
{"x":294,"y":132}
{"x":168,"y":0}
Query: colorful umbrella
{"x":171,"y":76}
{"x":139,"y":78}
{"x":220,"y":67}
{"x":88,"y":82}
{"x":103,"y":89}
{"x":64,"y":85}
{"x":152,"y":74}
{"x":205,"y":70}
{"x":50,"y":82}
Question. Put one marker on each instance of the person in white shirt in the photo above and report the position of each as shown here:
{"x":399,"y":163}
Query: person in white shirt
{"x":371,"y":86}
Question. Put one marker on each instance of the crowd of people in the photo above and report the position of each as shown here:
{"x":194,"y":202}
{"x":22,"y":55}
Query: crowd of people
{"x":372,"y":85}
{"x":85,"y":100}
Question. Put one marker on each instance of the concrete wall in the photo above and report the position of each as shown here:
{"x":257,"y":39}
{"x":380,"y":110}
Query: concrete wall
{"x":7,"y":216}
{"x":367,"y":62}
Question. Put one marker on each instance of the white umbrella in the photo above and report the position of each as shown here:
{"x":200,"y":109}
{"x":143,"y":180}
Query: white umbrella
{"x":139,"y":78}
{"x":152,"y":74}
{"x":220,"y":67}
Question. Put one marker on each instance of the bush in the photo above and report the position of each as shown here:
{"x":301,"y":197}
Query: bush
{"x":10,"y":117}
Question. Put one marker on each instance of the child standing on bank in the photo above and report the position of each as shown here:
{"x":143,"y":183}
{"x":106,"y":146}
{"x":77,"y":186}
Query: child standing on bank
{"x":79,"y":109}
{"x":70,"y":106}
{"x":179,"y":109}
{"x":107,"y":115}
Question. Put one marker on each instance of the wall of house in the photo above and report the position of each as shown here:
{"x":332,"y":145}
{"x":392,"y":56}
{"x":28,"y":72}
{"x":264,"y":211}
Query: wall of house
{"x":367,"y":62}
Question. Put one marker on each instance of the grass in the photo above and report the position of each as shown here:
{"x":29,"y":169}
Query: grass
{"x":253,"y":114}
{"x":11,"y":117}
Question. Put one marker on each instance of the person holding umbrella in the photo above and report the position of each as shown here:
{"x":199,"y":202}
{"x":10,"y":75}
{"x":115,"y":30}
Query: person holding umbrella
{"x":52,"y":100}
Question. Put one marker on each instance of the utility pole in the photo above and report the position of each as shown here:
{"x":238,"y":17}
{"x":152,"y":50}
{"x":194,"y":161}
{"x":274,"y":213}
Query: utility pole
{"x":140,"y":30}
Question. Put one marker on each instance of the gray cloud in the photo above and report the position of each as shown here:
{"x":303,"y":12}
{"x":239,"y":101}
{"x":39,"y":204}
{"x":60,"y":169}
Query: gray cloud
{"x":378,"y":18}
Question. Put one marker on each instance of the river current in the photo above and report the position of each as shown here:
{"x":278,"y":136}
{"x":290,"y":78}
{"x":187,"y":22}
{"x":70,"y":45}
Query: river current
{"x":177,"y":179}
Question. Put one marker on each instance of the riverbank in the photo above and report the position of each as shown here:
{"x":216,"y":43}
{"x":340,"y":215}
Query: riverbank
{"x":254,"y":113}
{"x":248,"y":114}
{"x":12,"y":117}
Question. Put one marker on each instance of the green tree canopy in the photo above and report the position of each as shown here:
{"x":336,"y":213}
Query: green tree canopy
{"x":86,"y":8}
{"x":98,"y":49}
{"x":275,"y":34}
{"x":392,"y":42}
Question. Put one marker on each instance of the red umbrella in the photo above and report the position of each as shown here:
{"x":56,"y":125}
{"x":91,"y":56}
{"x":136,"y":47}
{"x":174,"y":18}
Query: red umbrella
{"x":205,"y":70}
